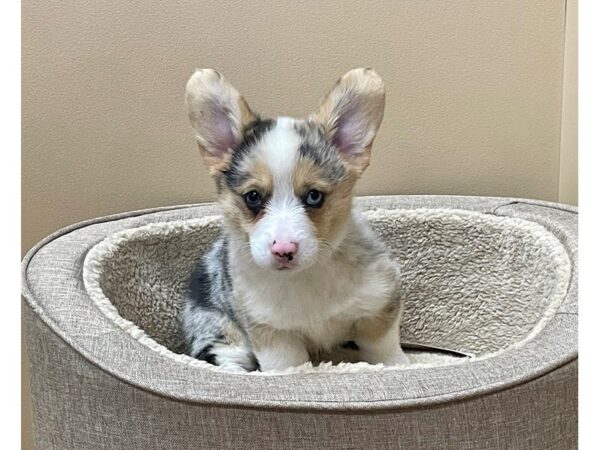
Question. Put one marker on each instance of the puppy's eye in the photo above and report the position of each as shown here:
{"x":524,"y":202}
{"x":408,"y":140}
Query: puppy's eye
{"x":253,"y":200}
{"x":314,"y":198}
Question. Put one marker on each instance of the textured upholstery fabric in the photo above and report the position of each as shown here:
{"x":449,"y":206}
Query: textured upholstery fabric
{"x":79,"y":406}
{"x":96,"y":387}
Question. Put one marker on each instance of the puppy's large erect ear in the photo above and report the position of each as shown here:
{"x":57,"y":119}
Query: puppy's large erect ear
{"x":218,"y":114}
{"x":352,"y":113}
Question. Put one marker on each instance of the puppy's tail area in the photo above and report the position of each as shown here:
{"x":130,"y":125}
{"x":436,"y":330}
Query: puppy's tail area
{"x":213,"y":337}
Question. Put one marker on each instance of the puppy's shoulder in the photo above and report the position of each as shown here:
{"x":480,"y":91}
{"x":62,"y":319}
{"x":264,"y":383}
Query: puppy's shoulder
{"x":366,"y":242}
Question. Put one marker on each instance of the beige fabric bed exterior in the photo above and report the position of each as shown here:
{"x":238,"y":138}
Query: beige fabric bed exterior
{"x":94,"y":385}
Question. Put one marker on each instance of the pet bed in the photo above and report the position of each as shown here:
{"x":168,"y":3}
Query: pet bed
{"x":490,"y":325}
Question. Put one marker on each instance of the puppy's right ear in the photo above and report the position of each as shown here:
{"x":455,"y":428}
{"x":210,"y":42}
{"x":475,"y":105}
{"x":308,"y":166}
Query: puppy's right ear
{"x":218,"y":114}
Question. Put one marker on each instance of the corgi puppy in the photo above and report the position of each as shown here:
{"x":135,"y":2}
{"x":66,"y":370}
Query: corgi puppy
{"x":297,"y":271}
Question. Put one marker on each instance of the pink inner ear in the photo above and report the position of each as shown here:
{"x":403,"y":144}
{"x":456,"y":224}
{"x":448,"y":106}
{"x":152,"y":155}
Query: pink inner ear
{"x":223,"y":135}
{"x":350,"y":133}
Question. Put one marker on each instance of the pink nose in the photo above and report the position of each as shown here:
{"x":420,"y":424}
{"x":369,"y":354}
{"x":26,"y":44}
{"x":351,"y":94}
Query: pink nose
{"x":284,"y":250}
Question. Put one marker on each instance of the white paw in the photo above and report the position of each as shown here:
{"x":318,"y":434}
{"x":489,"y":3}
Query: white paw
{"x":235,"y":358}
{"x":280,"y":364}
{"x":392,"y":357}
{"x":398,"y":358}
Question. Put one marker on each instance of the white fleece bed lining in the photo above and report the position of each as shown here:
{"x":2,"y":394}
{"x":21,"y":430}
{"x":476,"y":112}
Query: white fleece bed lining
{"x":549,"y":252}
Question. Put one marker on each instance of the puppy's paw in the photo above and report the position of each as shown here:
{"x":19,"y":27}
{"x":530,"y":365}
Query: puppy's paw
{"x":276,"y":359}
{"x":397,"y":358}
{"x":391,"y":355}
{"x":235,"y":358}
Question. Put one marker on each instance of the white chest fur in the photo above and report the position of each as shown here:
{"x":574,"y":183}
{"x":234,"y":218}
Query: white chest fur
{"x":321,"y":303}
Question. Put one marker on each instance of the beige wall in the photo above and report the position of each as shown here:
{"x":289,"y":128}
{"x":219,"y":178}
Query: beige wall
{"x":474,"y":102}
{"x":568,"y":186}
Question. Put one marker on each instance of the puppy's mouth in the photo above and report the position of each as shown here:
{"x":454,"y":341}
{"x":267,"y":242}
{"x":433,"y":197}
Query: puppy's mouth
{"x":286,"y":265}
{"x":289,"y":265}
{"x":285,"y":261}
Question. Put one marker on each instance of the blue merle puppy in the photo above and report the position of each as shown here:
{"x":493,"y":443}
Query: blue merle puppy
{"x":296,"y":270}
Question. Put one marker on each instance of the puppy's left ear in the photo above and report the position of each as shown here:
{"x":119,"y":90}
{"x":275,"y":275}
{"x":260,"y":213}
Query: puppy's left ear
{"x":351,"y":114}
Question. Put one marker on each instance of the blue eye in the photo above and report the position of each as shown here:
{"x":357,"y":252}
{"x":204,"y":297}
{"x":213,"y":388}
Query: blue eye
{"x":314,"y":198}
{"x":253,"y":200}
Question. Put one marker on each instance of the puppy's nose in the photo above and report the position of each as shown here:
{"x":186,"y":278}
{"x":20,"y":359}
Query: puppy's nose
{"x":284,"y":249}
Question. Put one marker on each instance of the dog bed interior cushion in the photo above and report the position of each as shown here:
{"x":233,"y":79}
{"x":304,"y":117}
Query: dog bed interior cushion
{"x":473,"y":284}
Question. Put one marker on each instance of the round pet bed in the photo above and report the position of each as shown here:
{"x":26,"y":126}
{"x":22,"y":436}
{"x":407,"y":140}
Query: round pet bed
{"x":490,"y":326}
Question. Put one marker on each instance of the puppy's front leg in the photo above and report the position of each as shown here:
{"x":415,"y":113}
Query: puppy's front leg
{"x":378,"y":340}
{"x":278,"y":350}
